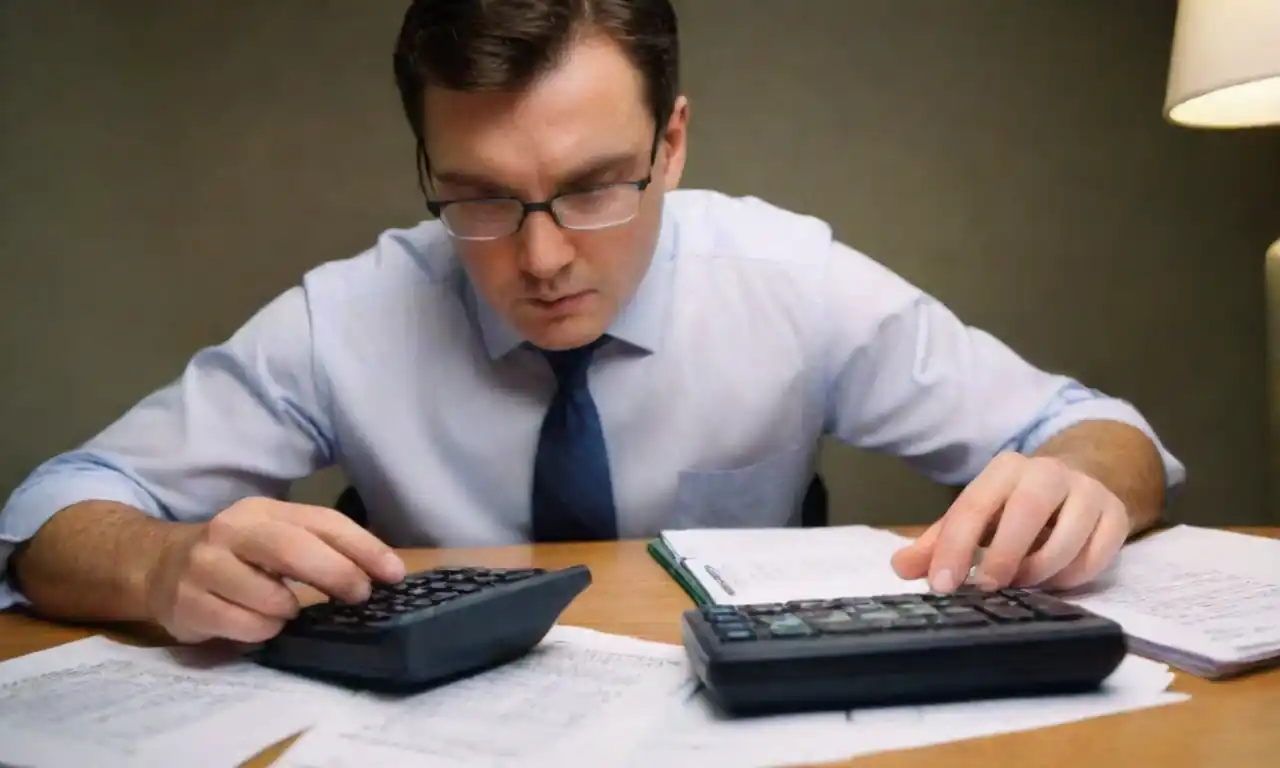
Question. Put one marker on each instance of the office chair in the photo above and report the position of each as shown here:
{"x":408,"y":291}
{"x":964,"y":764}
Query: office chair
{"x":352,"y":506}
{"x":813,"y":510}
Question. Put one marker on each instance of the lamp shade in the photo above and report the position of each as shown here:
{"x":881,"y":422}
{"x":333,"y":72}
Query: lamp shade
{"x":1224,"y":71}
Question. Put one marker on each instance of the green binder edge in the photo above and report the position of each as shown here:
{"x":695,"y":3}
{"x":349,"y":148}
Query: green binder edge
{"x":674,"y":566}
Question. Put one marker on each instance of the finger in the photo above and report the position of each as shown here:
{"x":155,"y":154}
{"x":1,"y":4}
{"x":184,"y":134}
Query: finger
{"x":1044,"y":486}
{"x":203,"y":613}
{"x":344,"y":535}
{"x":237,"y":582}
{"x":965,"y":521}
{"x":912,"y":560}
{"x":1077,"y":519}
{"x":295,"y":552}
{"x":1104,"y":544}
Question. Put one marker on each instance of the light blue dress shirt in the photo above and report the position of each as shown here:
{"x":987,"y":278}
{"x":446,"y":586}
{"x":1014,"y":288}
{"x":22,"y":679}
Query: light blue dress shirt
{"x":753,"y":334}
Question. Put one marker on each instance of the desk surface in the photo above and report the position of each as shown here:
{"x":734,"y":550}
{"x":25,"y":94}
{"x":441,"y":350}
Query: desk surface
{"x":1233,"y":723}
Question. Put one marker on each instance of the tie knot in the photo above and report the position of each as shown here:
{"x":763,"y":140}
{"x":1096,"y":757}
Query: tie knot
{"x":570,"y":365}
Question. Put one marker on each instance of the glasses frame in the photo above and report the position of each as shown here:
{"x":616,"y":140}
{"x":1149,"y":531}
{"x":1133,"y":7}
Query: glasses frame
{"x":437,"y":208}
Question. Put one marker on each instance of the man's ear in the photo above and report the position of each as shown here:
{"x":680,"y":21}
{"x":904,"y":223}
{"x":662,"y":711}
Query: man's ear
{"x":674,"y":144}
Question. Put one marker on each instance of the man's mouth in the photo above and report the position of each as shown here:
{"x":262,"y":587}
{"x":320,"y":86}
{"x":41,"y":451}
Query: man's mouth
{"x":564,"y":300}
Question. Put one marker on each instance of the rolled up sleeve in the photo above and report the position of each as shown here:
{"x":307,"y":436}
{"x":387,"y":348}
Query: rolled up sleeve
{"x":1074,"y":404}
{"x":245,"y":418}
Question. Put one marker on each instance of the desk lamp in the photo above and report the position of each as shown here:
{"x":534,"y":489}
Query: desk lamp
{"x":1224,"y":73}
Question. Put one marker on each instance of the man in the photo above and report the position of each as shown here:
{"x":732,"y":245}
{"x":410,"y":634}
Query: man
{"x":571,"y":350}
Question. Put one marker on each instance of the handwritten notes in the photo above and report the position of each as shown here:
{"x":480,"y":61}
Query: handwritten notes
{"x":1204,"y":600}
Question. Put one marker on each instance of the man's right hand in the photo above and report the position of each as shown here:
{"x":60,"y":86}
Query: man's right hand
{"x":225,"y":578}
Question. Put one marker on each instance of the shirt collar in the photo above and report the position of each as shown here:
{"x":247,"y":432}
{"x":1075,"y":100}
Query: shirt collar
{"x":641,"y":322}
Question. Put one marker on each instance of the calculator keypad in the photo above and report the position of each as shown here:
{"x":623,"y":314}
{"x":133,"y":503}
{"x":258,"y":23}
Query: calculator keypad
{"x":886,"y":613}
{"x":416,"y":592}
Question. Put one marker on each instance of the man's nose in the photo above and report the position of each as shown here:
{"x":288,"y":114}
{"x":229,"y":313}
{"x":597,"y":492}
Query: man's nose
{"x":546,"y":249}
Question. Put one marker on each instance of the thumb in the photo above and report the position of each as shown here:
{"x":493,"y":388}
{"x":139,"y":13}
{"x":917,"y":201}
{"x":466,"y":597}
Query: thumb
{"x":912,"y":561}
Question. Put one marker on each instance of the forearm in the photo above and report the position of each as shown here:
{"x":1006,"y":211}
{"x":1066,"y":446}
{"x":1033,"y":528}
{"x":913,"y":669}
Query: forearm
{"x":89,"y":562}
{"x":1122,"y":458}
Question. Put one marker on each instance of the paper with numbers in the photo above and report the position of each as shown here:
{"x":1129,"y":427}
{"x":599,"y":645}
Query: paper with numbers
{"x":105,"y":704}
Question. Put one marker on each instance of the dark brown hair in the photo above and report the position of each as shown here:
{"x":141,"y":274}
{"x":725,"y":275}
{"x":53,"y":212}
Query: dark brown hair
{"x":503,"y":45}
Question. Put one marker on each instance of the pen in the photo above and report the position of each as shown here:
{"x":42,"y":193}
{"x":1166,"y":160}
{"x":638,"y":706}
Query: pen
{"x":713,"y":573}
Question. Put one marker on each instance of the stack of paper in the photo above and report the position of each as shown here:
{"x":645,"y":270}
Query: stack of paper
{"x":580,"y":698}
{"x":1203,"y":600}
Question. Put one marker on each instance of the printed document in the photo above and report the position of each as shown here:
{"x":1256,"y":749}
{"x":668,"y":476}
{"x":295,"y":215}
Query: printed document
{"x":694,"y":734}
{"x":577,"y":699}
{"x":590,"y":698}
{"x":105,"y":704}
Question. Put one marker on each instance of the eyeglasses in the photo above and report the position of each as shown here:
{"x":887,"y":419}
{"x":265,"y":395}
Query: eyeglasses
{"x":492,"y":218}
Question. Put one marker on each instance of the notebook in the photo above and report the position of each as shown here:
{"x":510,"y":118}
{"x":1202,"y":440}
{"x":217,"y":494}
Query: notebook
{"x":735,"y":566}
{"x":1202,"y":600}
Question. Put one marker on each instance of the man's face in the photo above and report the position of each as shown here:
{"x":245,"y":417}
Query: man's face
{"x":584,"y":124}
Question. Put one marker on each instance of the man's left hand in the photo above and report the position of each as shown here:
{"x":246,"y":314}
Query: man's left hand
{"x":1048,"y":524}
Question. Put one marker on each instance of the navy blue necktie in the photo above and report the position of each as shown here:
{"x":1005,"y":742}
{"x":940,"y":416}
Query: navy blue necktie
{"x":572,"y":490}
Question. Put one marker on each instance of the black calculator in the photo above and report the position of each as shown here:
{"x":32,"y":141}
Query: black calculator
{"x":432,"y":627}
{"x":894,"y":649}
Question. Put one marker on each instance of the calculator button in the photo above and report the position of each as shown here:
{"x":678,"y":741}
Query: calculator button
{"x":839,"y":623}
{"x":1053,"y":609}
{"x":910,"y":622}
{"x":860,"y":604}
{"x":734,"y":631}
{"x":1007,"y":612}
{"x":961,"y":611}
{"x":808,"y":605}
{"x":716,"y":613}
{"x":970,"y":619}
{"x":882,"y":615}
{"x":900,"y":599}
{"x":789,"y":625}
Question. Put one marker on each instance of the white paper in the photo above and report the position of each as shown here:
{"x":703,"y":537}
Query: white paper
{"x":767,"y":565}
{"x":587,"y":698}
{"x":1211,"y":597}
{"x":102,"y":703}
{"x":577,"y":698}
{"x":695,"y":734}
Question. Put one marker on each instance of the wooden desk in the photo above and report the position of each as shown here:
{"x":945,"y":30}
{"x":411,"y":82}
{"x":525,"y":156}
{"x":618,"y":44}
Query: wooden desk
{"x":1234,"y":723}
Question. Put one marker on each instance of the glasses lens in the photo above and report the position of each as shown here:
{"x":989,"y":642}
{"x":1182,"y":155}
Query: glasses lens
{"x":482,"y":219}
{"x":603,"y":207}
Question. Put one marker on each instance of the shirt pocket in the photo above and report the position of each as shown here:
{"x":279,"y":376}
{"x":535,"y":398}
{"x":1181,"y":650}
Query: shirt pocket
{"x":766,"y":493}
